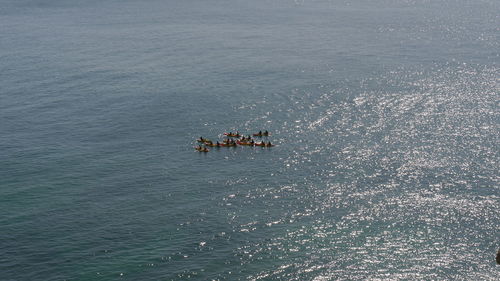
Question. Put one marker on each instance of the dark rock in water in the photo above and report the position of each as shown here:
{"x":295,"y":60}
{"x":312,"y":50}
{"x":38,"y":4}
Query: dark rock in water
{"x":498,"y":257}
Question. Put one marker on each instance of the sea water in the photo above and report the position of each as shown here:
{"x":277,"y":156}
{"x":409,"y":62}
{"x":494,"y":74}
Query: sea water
{"x":384,"y":114}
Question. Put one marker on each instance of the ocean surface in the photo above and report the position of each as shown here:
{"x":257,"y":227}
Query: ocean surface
{"x":385,"y":115}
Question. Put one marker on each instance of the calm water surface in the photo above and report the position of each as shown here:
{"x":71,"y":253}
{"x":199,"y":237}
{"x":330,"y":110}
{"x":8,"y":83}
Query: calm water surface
{"x":385,"y":114}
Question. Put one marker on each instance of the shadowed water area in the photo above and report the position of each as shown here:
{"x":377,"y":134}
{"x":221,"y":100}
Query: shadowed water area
{"x":385,"y":115}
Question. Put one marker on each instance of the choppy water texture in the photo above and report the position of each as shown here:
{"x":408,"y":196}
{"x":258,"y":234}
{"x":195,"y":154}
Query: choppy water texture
{"x":385,"y":115}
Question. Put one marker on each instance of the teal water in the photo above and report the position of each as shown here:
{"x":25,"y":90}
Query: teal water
{"x":385,"y":115}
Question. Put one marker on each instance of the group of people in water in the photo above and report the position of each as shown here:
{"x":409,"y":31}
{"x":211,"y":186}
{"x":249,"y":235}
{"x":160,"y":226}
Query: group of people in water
{"x":229,"y":141}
